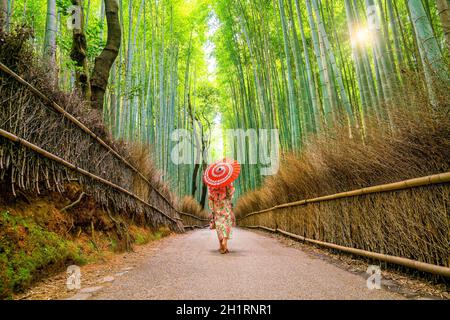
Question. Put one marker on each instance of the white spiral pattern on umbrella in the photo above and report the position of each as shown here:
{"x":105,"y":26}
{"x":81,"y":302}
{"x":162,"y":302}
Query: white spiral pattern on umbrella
{"x":218,"y":173}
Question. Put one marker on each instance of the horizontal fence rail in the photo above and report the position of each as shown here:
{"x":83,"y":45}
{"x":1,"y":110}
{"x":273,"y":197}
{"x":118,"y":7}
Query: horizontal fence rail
{"x":75,"y":121}
{"x":193,"y":216}
{"x":196,"y":226}
{"x":311,"y":225}
{"x":69,"y":165}
{"x":401,"y":185}
{"x":192,"y":221}
{"x":418,"y":265}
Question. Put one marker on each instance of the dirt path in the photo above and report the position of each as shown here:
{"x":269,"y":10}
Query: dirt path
{"x":259,"y":267}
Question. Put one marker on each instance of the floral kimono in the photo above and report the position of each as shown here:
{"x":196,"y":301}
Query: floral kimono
{"x":220,"y":205}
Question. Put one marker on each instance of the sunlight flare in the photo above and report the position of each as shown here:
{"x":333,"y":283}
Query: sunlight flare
{"x":362,"y":37}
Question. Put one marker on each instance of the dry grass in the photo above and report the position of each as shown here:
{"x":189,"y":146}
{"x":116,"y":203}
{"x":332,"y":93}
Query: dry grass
{"x":412,"y":140}
{"x":139,"y":155}
{"x":191,"y":206}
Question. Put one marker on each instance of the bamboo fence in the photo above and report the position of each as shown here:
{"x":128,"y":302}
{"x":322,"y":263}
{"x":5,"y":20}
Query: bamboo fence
{"x":71,"y":166}
{"x":103,"y":196}
{"x":401,"y":185}
{"x":192,"y":221}
{"x":75,"y":121}
{"x":376,"y":222}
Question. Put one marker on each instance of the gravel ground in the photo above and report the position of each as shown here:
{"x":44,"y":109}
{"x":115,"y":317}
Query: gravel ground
{"x":189,"y":266}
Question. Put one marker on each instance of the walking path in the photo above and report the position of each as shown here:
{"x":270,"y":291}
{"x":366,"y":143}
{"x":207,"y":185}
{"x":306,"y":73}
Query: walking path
{"x":189,"y":266}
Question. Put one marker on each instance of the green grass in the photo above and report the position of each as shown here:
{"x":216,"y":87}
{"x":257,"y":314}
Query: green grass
{"x":145,"y":236}
{"x":141,"y":239}
{"x":26,"y":249}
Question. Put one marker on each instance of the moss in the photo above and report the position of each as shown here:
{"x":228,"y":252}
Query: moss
{"x":33,"y":246}
{"x":26,"y":249}
{"x":144,"y":235}
{"x":141,"y":239}
{"x":113,"y":245}
{"x":164,"y":231}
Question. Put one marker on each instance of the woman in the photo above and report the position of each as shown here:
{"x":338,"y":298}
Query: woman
{"x":222,"y":213}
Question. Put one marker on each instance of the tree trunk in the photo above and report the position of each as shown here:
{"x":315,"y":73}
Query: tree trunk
{"x":105,"y":60}
{"x":315,"y":40}
{"x":194,"y":179}
{"x":332,"y":61}
{"x":197,"y":147}
{"x":444,"y":15}
{"x":204,"y":192}
{"x":432,"y":60}
{"x":3,"y":14}
{"x":86,"y":22}
{"x":311,"y":84}
{"x":50,"y":38}
{"x":295,"y":138}
{"x":395,"y":32}
{"x":78,"y":54}
{"x":9,"y":12}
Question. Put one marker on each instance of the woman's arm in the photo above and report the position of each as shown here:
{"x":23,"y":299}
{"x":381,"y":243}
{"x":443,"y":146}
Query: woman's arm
{"x":230,"y":191}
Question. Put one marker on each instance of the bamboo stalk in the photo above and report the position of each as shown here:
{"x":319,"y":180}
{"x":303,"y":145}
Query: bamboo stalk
{"x":401,"y":185}
{"x":55,"y":158}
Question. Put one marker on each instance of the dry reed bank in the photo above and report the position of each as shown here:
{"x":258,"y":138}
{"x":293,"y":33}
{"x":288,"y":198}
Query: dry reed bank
{"x":411,"y":140}
{"x":197,"y":216}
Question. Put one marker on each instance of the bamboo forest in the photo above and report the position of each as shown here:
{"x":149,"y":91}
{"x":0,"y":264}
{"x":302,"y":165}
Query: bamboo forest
{"x":299,"y":66}
{"x":335,"y":111}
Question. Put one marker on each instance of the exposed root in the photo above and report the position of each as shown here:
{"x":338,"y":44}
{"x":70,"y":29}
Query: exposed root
{"x":74,"y":203}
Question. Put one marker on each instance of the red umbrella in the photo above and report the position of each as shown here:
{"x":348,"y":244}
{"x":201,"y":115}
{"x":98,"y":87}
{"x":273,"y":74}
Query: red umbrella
{"x":221,"y":173}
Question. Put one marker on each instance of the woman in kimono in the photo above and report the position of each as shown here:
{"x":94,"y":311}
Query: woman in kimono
{"x":222,"y":213}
